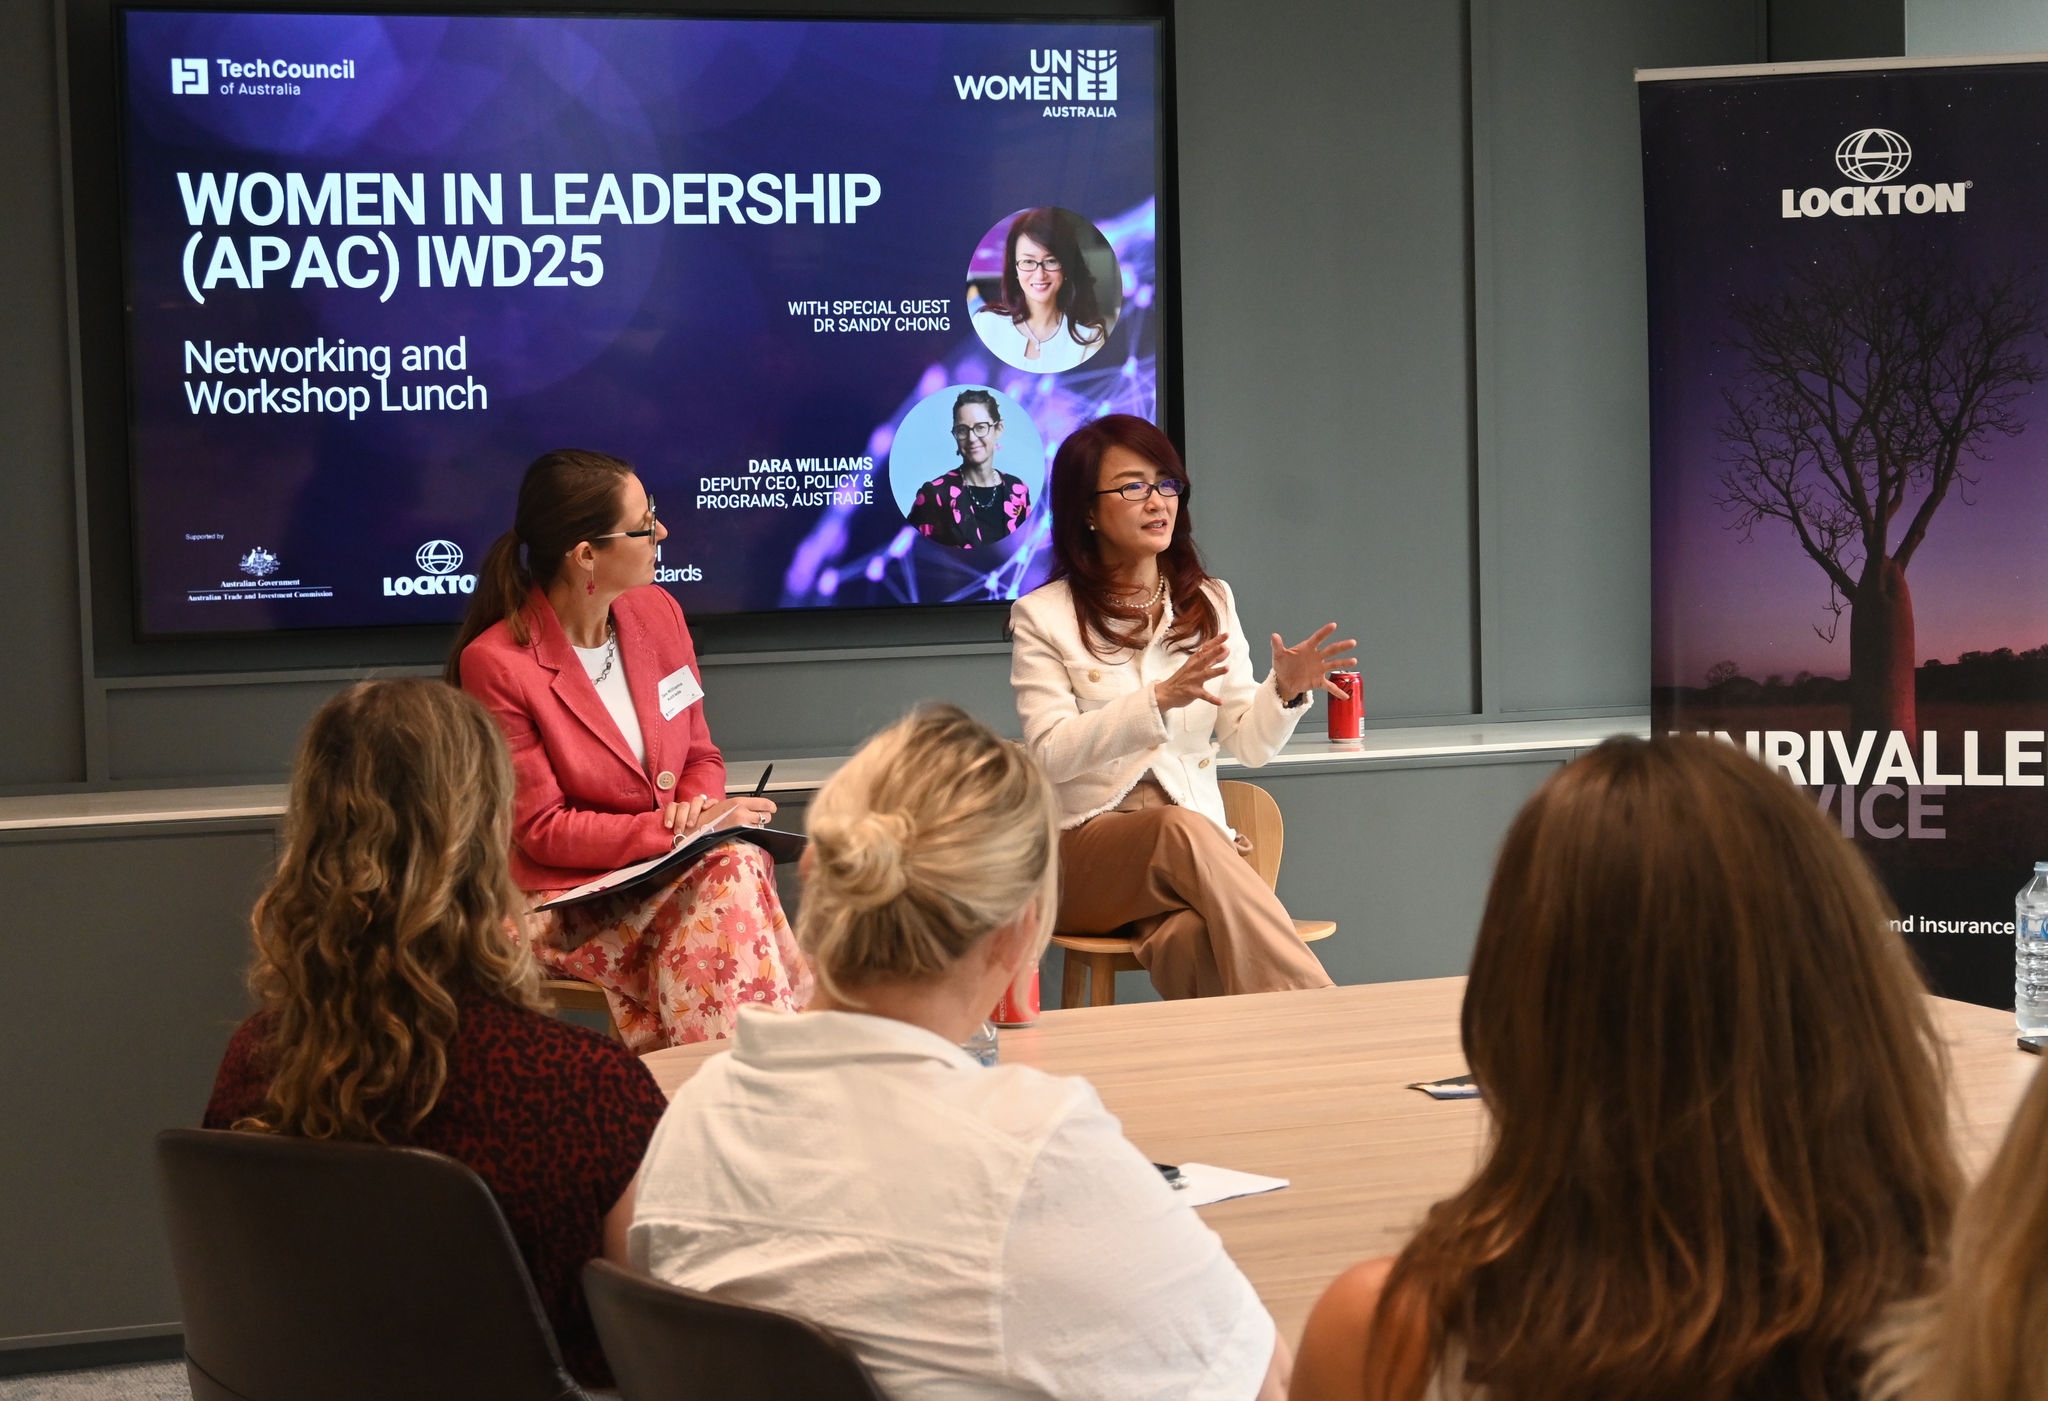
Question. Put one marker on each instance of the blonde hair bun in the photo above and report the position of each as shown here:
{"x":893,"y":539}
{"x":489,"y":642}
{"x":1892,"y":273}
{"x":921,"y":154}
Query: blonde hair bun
{"x":868,"y":856}
{"x":936,"y":833}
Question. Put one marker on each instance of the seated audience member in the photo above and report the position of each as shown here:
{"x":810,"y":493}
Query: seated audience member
{"x":1981,"y":1334}
{"x":395,"y":1010}
{"x":971,"y":1231}
{"x":1128,"y":668}
{"x":1720,"y":1144}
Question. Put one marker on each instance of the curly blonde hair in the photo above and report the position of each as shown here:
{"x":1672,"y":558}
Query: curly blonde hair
{"x":393,"y":891}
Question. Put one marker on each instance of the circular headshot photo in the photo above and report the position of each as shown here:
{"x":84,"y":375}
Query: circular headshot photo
{"x":1044,"y":290}
{"x":966,"y":466}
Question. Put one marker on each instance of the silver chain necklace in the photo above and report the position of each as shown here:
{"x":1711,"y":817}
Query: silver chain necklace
{"x":611,"y":652}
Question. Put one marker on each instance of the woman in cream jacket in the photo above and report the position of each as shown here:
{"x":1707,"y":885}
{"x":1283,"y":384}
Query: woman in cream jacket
{"x":1130,"y":669}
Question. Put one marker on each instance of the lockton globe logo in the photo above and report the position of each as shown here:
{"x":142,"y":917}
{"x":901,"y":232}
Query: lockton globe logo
{"x":439,"y":557}
{"x":1873,"y":155}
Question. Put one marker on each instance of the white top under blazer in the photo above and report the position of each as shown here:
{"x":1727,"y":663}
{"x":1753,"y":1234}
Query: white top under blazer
{"x":1094,"y":724}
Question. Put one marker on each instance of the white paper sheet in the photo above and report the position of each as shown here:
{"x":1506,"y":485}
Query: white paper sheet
{"x":1207,"y":1183}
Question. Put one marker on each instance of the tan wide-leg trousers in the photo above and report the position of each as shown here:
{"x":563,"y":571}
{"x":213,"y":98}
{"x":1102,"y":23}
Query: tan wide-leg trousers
{"x":1203,"y":923}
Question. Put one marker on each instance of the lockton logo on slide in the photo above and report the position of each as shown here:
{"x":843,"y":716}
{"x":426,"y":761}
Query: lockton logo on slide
{"x":1873,"y":155}
{"x":437,"y":561}
{"x":438,"y":557}
{"x":1875,"y":158}
{"x":188,"y":75}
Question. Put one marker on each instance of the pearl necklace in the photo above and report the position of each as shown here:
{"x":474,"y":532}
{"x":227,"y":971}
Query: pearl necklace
{"x":1158,"y":594}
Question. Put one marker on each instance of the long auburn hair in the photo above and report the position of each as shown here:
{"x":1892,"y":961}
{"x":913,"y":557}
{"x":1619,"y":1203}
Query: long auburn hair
{"x":393,"y":891}
{"x":1107,"y":625}
{"x":566,"y":497}
{"x":1982,"y":1333}
{"x":1720,"y":1141}
{"x":1053,"y":230}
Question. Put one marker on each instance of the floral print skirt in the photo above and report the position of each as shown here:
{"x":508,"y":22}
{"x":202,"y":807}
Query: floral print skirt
{"x":676,"y":964}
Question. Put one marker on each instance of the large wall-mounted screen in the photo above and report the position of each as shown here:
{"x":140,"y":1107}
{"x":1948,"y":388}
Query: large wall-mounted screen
{"x":836,"y":288}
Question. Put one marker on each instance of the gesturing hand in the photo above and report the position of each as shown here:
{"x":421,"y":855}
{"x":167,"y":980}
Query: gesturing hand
{"x":1307,"y":666}
{"x":1191,"y":682}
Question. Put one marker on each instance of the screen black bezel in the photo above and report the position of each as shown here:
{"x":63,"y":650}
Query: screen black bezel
{"x":109,"y":539}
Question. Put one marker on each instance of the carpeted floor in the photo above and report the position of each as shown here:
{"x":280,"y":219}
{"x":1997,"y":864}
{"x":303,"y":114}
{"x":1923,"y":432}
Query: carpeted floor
{"x":151,"y":1381}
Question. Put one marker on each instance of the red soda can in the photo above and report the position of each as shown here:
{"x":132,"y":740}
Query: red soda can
{"x":1347,"y":712}
{"x":1019,"y":1006}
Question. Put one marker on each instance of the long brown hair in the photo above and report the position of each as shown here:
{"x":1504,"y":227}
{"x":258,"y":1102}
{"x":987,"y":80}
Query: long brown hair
{"x":392,"y":891}
{"x":1720,"y":1140}
{"x":1982,"y":1334}
{"x":1055,"y":231}
{"x":1107,"y":624}
{"x":566,"y":497}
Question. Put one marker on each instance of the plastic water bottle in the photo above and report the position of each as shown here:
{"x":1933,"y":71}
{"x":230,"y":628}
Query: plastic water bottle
{"x":2030,"y":955}
{"x":982,"y":1045}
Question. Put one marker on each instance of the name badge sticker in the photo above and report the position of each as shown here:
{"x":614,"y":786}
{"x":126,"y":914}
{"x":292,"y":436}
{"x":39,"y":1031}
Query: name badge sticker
{"x":678,"y":692}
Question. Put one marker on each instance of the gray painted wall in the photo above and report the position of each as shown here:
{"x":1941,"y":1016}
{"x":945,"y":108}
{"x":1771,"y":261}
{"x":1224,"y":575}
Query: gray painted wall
{"x":1960,"y":27}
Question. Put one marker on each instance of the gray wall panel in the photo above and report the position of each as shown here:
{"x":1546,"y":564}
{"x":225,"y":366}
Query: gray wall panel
{"x":1563,"y":382}
{"x":127,"y":953}
{"x":209,"y":734}
{"x":42,"y":735}
{"x":1976,"y":27}
{"x":1323,"y":208}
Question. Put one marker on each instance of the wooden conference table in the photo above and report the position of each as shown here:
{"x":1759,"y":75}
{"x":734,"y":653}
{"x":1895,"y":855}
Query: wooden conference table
{"x":1313,"y":1087}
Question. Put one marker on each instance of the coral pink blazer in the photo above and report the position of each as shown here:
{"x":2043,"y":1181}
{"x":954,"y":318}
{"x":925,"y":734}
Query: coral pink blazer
{"x":583,"y":805}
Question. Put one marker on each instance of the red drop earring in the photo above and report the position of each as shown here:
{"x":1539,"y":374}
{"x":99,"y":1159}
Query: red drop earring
{"x":590,"y":585}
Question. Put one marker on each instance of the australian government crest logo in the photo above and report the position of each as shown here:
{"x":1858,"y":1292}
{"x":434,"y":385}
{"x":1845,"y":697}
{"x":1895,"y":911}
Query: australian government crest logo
{"x":259,"y":563}
{"x":1071,"y":82}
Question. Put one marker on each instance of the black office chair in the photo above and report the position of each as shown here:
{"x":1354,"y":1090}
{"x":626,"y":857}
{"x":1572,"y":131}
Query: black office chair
{"x":316,"y":1271}
{"x":663,"y":1342}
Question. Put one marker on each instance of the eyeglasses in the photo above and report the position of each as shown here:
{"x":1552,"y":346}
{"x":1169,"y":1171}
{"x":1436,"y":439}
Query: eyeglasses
{"x":964,"y":431}
{"x":1034,"y":264}
{"x":1169,"y":487}
{"x":641,"y":534}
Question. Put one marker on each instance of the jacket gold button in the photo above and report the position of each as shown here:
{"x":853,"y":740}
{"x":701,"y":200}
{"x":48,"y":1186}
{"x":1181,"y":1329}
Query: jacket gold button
{"x":664,"y":780}
{"x":1095,"y":676}
{"x":1205,"y":763}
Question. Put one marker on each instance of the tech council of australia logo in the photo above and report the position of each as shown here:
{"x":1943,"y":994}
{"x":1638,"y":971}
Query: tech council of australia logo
{"x":1874,"y":158}
{"x":273,"y":77}
{"x":1071,"y":82}
{"x":437,"y":561}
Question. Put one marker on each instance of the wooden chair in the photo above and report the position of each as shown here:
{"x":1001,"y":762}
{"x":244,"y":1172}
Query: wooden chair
{"x":574,"y":995}
{"x":1090,"y":962}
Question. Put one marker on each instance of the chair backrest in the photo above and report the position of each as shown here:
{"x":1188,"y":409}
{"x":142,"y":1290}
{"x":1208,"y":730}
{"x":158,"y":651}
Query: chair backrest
{"x":1251,"y":811}
{"x":317,"y":1271}
{"x":664,"y":1342}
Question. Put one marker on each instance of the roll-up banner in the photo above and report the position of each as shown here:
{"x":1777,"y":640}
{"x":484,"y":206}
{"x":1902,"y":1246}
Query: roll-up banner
{"x":1848,"y":307}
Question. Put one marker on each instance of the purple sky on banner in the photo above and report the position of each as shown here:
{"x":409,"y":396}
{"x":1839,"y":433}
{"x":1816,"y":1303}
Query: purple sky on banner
{"x":1717,"y":155}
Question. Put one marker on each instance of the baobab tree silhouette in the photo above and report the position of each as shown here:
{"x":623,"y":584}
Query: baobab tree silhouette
{"x":1872,"y":383}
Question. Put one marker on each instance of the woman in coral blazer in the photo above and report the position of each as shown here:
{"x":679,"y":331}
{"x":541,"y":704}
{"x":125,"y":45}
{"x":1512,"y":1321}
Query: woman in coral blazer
{"x":589,"y":670}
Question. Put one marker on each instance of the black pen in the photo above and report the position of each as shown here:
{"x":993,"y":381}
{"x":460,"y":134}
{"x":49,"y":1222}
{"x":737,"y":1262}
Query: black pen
{"x":1172,"y":1175}
{"x":762,"y":786}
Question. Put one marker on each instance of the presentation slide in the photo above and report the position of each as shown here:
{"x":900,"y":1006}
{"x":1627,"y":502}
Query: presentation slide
{"x":837,"y":289}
